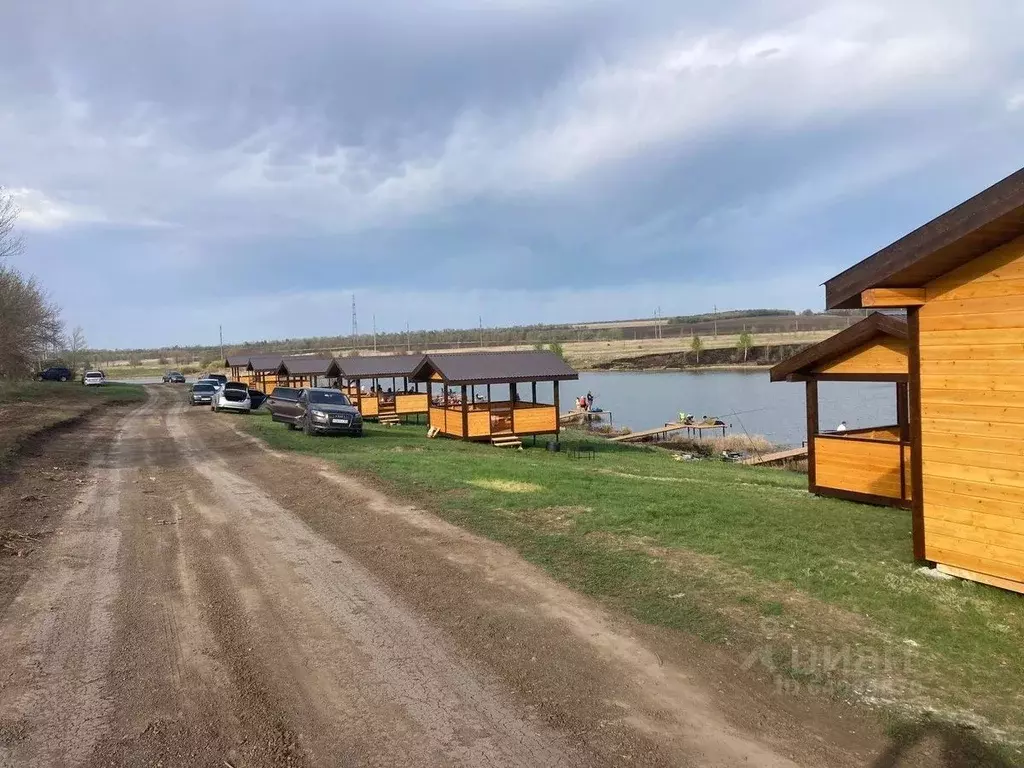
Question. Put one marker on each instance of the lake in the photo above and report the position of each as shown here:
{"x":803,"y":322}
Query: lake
{"x":745,"y":399}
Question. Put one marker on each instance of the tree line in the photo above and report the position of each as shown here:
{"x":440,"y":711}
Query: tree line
{"x":31,"y":329}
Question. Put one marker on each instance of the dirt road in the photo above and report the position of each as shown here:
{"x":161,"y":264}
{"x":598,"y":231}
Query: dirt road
{"x":204,"y":601}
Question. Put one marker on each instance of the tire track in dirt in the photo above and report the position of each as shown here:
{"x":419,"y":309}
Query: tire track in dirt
{"x":394,"y":689}
{"x":55,"y":640}
{"x":181,"y":697}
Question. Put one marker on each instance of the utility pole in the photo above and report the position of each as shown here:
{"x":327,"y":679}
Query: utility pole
{"x":481,"y":330}
{"x":220,"y":328}
{"x":355,"y":323}
{"x":715,"y":306}
{"x":375,"y":333}
{"x":408,"y":344}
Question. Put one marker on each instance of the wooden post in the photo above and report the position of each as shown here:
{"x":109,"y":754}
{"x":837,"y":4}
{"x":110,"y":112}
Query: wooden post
{"x":465,"y":413}
{"x":812,"y":430}
{"x":916,"y":459}
{"x":445,"y":385}
{"x":903,"y":420}
{"x":533,"y":385}
{"x":558,"y":421}
{"x":488,"y":393}
{"x":903,"y":410}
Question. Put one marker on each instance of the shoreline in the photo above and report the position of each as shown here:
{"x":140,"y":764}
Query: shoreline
{"x":751,"y":367}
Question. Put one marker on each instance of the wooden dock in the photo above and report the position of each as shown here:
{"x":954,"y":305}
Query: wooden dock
{"x":793,"y":454}
{"x":633,"y":437}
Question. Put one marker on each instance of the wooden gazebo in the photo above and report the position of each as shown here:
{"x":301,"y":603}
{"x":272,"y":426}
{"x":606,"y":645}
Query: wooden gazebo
{"x":237,"y":366}
{"x":263,"y":371}
{"x":867,"y":463}
{"x":300,"y":371}
{"x":465,"y":404}
{"x":381,"y":387}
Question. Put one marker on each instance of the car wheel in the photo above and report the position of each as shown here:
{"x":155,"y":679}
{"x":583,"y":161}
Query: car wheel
{"x":307,"y":427}
{"x":247,"y":410}
{"x":292,"y":426}
{"x":63,"y":378}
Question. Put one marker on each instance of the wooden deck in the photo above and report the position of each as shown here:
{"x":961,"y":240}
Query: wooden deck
{"x":792,"y":454}
{"x":633,"y":437}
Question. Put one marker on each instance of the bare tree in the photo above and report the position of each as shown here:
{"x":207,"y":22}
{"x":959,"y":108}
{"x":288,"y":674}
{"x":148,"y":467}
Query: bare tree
{"x":30,"y":325}
{"x":75,"y":346}
{"x":11,"y":243}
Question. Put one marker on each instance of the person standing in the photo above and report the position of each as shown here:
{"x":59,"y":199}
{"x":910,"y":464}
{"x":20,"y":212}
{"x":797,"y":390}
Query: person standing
{"x":590,"y":401}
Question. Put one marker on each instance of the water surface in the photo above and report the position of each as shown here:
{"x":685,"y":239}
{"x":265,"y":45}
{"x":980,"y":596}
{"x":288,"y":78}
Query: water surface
{"x":745,"y":399}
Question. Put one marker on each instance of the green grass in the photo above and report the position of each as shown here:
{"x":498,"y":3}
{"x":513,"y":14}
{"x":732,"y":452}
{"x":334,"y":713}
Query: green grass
{"x":67,"y":392}
{"x":732,"y":554}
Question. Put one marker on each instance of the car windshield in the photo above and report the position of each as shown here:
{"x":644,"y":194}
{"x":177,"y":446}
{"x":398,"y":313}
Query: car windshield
{"x":203,"y":388}
{"x":328,"y":398}
{"x":94,"y":375}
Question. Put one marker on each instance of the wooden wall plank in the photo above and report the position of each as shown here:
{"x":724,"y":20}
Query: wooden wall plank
{"x":881,"y":356}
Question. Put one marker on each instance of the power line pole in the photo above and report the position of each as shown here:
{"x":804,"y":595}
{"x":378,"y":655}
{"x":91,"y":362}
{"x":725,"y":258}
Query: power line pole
{"x":408,"y":344}
{"x":375,"y":333}
{"x":481,"y":330}
{"x":220,"y":328}
{"x":355,"y":323}
{"x":715,"y":306}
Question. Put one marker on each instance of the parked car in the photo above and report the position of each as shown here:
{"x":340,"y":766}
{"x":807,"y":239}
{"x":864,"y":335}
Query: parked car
{"x":319,"y":410}
{"x":218,"y":377}
{"x":94,"y":378}
{"x":233,"y":396}
{"x":201,"y":393}
{"x":55,"y":374}
{"x":282,"y":403}
{"x":257,"y":397}
{"x":174,"y":377}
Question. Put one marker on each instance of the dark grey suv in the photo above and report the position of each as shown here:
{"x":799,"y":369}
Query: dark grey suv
{"x":316,"y":411}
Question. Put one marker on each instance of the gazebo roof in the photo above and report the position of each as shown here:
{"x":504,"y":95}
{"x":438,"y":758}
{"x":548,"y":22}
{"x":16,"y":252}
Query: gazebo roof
{"x":876,"y":327}
{"x":378,"y":366}
{"x":302,"y":365}
{"x":236,"y":361}
{"x":265,"y":363}
{"x":494,"y":367}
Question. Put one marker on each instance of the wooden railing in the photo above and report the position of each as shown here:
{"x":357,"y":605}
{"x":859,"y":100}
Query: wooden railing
{"x":495,"y":418}
{"x":872,"y":467}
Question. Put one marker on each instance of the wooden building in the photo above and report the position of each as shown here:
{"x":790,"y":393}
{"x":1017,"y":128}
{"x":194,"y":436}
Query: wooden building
{"x":381,"y":386}
{"x":301,"y":371}
{"x":960,"y":279}
{"x":237,"y":367}
{"x":867,"y":463}
{"x":262,"y":371}
{"x":478,"y":395}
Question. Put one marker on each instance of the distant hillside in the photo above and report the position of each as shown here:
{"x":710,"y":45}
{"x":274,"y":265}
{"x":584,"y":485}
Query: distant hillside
{"x":757,"y":321}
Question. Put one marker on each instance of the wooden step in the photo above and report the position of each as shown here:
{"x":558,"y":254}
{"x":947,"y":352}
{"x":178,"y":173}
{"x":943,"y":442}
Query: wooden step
{"x":389,"y":421}
{"x":509,"y":441}
{"x":433,"y":432}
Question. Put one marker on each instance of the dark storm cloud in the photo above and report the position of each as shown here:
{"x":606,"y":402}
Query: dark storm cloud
{"x":561,"y":152}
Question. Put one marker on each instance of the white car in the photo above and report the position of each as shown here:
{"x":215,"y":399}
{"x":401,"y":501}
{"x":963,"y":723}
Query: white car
{"x":233,"y":396}
{"x":94,"y":378}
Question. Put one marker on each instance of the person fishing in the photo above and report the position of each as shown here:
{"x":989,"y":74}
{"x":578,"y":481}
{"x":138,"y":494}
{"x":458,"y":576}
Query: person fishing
{"x":590,"y":401}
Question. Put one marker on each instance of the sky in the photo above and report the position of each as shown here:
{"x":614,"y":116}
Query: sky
{"x":253,"y":164}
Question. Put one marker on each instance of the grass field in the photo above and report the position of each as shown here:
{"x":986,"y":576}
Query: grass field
{"x":28,"y":408}
{"x":819,"y":593}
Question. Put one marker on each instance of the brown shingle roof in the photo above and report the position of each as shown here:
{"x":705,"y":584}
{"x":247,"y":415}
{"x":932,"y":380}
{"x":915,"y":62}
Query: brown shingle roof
{"x":984,"y":222}
{"x":301,"y":365}
{"x":265,"y":363}
{"x":378,"y":366}
{"x":495,"y":367}
{"x":874,"y":325}
{"x":236,"y":361}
